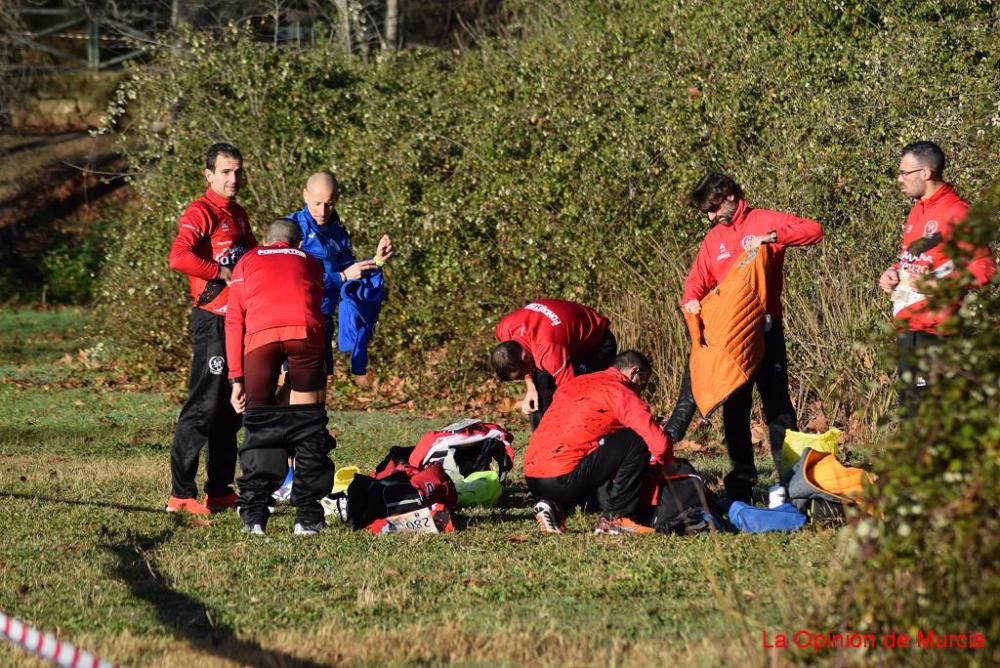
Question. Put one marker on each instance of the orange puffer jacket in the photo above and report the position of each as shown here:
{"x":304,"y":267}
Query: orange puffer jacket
{"x":727,"y":337}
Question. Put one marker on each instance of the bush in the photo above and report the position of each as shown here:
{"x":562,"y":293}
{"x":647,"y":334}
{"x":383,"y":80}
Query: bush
{"x":556,"y":164}
{"x":70,"y":270}
{"x":929,"y":553}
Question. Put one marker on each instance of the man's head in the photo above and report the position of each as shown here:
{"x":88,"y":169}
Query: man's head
{"x":224,"y":169}
{"x":921,"y":168}
{"x":511,"y":361}
{"x":635,"y":366}
{"x":716,"y":195}
{"x":321,"y":194}
{"x":283,"y":229}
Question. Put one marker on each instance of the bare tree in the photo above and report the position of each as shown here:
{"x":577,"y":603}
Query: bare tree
{"x":392,"y":16}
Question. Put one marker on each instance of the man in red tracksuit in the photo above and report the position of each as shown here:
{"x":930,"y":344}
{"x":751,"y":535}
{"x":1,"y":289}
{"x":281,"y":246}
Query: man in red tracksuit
{"x":212,"y":235}
{"x":739,"y":227}
{"x":275,"y":314}
{"x":596,"y":430}
{"x":547,"y":343}
{"x":923,"y":257}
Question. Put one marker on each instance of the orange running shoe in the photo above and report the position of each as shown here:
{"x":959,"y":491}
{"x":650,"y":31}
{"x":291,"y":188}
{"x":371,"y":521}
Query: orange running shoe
{"x":176,"y":504}
{"x":219,"y":504}
{"x":621,"y":525}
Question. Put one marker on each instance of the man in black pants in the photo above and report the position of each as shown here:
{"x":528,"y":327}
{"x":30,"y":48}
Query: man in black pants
{"x":596,"y":430}
{"x":212,"y":235}
{"x":548,"y":342}
{"x":738,"y":227}
{"x":274,"y":314}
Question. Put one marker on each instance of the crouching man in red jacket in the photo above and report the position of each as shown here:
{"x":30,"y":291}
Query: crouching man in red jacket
{"x":274,"y":314}
{"x":596,"y":430}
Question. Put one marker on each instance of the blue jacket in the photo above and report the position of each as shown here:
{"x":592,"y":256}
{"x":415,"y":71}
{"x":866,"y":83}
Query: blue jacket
{"x":748,"y":519}
{"x":331,"y":245}
{"x":360,"y":303}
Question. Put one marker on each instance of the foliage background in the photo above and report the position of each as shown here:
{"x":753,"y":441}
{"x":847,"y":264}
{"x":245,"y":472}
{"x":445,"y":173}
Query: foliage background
{"x":554,"y":161}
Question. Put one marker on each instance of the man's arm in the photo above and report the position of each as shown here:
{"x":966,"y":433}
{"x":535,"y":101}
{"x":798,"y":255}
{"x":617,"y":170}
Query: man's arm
{"x":193,"y":227}
{"x":790,"y":230}
{"x":554,"y":360}
{"x":699,"y":281}
{"x":235,"y":324}
{"x":634,"y":413}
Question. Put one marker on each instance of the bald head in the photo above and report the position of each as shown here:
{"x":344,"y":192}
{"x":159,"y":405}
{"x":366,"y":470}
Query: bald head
{"x":321,"y":194}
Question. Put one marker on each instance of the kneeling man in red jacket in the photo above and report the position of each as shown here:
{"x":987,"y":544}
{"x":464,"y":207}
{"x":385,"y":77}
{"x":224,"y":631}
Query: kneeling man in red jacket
{"x":596,"y":430}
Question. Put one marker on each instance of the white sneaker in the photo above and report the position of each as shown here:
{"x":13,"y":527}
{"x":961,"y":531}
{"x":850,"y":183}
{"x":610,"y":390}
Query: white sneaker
{"x":308,"y":528}
{"x":549,"y":517}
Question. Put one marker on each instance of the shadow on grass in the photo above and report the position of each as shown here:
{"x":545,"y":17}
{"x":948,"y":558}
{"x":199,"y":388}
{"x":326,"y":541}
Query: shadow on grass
{"x":82,"y":502}
{"x":187,"y":618}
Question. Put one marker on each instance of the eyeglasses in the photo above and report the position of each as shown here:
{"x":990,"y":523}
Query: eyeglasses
{"x":907,"y":173}
{"x":713,"y":208}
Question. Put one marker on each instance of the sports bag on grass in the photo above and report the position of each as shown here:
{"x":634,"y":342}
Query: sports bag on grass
{"x":684,"y":505}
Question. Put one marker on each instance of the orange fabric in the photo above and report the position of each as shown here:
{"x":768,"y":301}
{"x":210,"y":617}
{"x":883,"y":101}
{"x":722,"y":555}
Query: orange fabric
{"x":727,"y":337}
{"x":824,"y":472}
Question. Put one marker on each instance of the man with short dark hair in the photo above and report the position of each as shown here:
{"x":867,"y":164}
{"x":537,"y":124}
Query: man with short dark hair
{"x":213,"y":233}
{"x":739,"y":227}
{"x":548,"y":342}
{"x":274,"y":314}
{"x":923,"y":259}
{"x":596,"y":430}
{"x":325,"y":238}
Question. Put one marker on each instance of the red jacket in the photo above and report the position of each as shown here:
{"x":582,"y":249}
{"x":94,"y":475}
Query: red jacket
{"x":724,"y":244}
{"x":274,"y":288}
{"x":554,"y":332}
{"x":928,"y":228}
{"x":213,"y":232}
{"x":583,"y":411}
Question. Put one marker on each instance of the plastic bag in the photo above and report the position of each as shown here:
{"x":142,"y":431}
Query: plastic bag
{"x":796,"y":442}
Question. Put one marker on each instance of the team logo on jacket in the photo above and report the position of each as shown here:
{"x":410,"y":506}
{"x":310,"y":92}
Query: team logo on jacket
{"x":930,"y":229}
{"x":747,"y":240}
{"x":216,"y":365}
{"x":723,"y":253}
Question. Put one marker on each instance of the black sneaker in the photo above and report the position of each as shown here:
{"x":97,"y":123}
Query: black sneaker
{"x":549,"y":517}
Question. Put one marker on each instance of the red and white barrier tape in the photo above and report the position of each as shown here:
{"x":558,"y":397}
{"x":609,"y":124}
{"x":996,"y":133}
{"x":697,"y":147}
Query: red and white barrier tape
{"x":48,"y":646}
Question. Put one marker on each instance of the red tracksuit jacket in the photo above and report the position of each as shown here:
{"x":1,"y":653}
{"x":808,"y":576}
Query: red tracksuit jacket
{"x":213,"y":232}
{"x":583,"y":411}
{"x":554,"y":332}
{"x":925,"y":234}
{"x":274,"y":288}
{"x":724,"y":244}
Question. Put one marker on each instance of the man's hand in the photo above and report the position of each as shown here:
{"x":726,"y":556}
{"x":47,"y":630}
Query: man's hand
{"x":693,"y":307}
{"x":530,"y":402}
{"x":357,"y":270}
{"x":758,"y":241}
{"x":238,"y":398}
{"x":889,"y":280}
{"x":385,"y":249}
{"x":225,"y":274}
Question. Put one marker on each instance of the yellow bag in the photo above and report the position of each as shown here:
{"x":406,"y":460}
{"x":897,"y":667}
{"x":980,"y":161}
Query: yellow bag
{"x":343,"y":477}
{"x":796,"y":442}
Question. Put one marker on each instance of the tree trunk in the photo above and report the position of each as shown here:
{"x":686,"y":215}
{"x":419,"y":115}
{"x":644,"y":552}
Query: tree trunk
{"x":343,"y":13}
{"x":392,"y":24}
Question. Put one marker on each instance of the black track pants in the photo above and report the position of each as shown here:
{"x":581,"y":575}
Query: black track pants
{"x":272,"y":434}
{"x":207,"y":418}
{"x":771,"y":380}
{"x":621,"y":457}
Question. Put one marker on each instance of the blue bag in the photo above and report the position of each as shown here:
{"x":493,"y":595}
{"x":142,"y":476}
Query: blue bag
{"x":747,"y":519}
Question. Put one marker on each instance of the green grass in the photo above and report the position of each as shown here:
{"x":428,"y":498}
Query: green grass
{"x":85,"y":549}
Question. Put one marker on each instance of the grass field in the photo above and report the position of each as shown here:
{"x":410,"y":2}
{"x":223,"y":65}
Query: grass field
{"x":86,"y":551}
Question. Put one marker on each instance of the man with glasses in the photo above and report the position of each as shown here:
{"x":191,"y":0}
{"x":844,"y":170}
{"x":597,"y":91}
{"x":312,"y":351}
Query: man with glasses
{"x":739,"y":227}
{"x":922,"y":259}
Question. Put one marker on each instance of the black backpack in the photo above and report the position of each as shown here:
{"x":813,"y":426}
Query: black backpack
{"x":685,"y":505}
